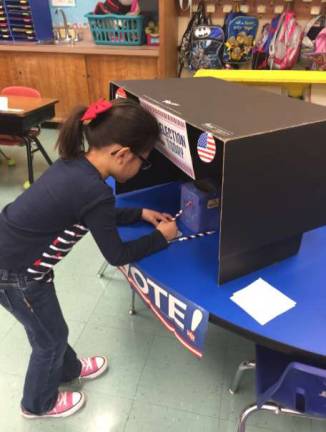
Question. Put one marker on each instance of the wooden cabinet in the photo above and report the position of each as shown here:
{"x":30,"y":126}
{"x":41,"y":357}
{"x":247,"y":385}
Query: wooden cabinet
{"x":102,"y":69}
{"x":7,"y":70}
{"x":61,"y":76}
{"x":81,"y":73}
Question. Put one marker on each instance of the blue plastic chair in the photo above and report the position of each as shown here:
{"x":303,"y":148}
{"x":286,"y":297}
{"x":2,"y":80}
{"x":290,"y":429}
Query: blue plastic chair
{"x":284,"y":385}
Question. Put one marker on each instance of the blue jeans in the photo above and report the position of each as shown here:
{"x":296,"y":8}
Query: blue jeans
{"x":35,"y":305}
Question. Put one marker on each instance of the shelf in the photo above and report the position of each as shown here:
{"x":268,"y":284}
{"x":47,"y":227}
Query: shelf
{"x":81,"y":48}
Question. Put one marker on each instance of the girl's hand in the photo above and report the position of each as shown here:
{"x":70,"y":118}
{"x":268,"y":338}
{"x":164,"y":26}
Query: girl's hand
{"x":168,"y":229}
{"x":155,"y":217}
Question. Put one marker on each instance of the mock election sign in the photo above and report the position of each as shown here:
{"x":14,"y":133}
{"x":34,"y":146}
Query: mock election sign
{"x":175,"y":144}
{"x":187,"y":321}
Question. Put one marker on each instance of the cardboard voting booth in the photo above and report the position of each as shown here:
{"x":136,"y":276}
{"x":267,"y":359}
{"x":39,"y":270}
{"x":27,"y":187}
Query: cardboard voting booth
{"x":265,"y":153}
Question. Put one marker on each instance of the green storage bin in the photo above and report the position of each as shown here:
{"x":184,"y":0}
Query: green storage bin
{"x":113,"y":29}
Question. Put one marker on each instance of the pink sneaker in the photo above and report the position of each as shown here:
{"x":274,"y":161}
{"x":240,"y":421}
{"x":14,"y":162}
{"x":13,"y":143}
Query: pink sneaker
{"x":92,"y":367}
{"x":67,"y":404}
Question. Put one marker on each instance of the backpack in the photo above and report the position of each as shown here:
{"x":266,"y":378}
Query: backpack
{"x":241,"y":33}
{"x":285,"y":46}
{"x":320,"y":43}
{"x":116,"y":7}
{"x":319,"y":54}
{"x":310,"y":33}
{"x":198,"y":18}
{"x":228,"y":18}
{"x":206,"y":44}
{"x":261,"y":49}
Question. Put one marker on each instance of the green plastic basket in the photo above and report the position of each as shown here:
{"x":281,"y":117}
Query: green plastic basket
{"x":113,"y":29}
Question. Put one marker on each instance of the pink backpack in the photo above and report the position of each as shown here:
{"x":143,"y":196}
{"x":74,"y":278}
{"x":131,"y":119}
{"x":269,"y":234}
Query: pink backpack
{"x":319,"y":54}
{"x":284,"y":49}
{"x":320,"y":42}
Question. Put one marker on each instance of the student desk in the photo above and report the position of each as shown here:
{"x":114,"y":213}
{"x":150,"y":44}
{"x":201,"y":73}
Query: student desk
{"x":23,"y":114}
{"x":190,"y":268}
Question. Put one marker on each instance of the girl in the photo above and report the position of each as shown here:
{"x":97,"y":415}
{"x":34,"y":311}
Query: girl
{"x":43,"y":224}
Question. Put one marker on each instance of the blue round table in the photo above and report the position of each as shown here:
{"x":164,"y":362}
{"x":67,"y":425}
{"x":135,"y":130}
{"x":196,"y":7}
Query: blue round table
{"x":190,"y":269}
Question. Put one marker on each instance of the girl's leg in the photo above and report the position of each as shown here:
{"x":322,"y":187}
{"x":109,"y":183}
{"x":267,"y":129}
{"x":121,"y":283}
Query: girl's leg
{"x":36,"y":306}
{"x":71,"y":366}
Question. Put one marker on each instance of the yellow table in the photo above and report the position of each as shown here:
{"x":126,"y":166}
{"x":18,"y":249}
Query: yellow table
{"x":296,"y":82}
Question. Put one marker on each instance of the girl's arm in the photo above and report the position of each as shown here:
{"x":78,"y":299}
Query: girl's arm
{"x":126,"y":216}
{"x":101,"y":221}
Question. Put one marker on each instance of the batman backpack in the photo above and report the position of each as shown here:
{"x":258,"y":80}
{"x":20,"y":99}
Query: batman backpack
{"x":205,"y":52}
{"x":198,"y":18}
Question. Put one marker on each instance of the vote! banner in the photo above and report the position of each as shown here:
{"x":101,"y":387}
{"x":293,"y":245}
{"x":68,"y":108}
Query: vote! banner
{"x":187,"y":321}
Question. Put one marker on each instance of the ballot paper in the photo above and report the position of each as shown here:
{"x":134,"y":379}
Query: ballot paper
{"x":262,"y":301}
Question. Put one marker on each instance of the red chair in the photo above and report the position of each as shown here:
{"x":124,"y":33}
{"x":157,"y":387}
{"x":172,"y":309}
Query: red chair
{"x":31,"y":137}
{"x":20,"y":91}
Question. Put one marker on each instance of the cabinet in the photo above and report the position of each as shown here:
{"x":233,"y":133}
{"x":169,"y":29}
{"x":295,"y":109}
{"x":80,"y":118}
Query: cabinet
{"x":54,"y":75}
{"x":79,"y":74}
{"x":103,"y":69}
{"x":25,"y":20}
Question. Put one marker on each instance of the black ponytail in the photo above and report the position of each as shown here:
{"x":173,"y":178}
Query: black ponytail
{"x":127,"y":123}
{"x":70,"y":143}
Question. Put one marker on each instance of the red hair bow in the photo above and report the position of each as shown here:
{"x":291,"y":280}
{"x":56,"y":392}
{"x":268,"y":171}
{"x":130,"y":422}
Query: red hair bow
{"x":95,"y":109}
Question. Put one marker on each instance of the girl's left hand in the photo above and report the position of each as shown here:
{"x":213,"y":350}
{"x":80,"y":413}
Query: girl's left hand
{"x":155,"y":217}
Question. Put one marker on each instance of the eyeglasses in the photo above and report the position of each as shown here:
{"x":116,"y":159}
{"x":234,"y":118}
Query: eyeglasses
{"x":145,"y":164}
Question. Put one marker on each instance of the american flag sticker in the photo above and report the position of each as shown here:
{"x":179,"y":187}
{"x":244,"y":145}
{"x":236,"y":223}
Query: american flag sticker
{"x":206,"y":147}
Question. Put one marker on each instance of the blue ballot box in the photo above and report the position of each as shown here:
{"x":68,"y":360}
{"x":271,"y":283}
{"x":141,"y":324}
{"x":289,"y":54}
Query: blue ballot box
{"x":200,"y":206}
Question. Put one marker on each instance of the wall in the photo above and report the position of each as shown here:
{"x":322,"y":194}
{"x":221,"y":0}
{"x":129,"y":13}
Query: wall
{"x":76,"y":14}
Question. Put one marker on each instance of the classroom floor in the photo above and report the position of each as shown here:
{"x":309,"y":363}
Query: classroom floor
{"x":154,"y":384}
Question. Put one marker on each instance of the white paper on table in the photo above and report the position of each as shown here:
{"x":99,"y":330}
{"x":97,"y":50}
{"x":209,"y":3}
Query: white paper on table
{"x":262,"y":301}
{"x":3,"y":103}
{"x":18,"y":110}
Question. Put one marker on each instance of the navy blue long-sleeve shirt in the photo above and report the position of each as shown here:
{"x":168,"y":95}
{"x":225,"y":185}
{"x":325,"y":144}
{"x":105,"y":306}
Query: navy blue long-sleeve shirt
{"x":42,"y":225}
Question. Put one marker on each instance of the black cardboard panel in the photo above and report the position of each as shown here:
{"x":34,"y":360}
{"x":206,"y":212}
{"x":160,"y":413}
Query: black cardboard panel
{"x":234,"y":266}
{"x":164,"y":171}
{"x":274,"y":187}
{"x":235,"y":110}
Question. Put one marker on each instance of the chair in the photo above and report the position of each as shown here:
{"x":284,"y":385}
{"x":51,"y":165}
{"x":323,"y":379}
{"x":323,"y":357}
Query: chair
{"x":20,"y":91}
{"x":284,"y":386}
{"x":10,"y":162}
{"x":29,"y":140}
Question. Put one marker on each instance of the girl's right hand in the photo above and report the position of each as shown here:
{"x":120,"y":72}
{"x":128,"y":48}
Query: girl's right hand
{"x":168,"y":229}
